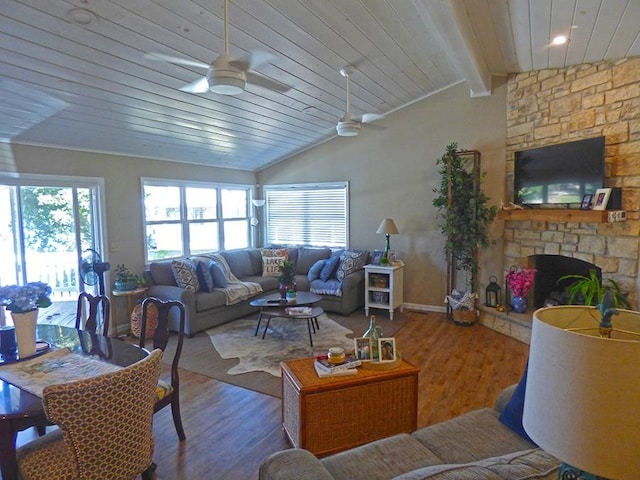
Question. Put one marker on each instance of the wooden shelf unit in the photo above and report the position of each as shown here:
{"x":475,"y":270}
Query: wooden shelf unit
{"x":555,"y":215}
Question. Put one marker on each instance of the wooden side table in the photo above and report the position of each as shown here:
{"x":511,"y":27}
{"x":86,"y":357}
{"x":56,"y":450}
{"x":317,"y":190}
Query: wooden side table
{"x":129,"y":295}
{"x":328,"y":415}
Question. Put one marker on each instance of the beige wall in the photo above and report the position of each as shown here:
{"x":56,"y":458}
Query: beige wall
{"x":392,"y":173}
{"x":122,"y":187}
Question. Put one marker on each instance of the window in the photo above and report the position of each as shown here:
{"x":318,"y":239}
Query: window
{"x":307,"y":214}
{"x":187,"y":218}
{"x":46,"y":222}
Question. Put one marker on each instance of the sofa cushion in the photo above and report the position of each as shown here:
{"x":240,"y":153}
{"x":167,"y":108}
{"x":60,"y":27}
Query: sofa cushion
{"x":271,"y":266}
{"x":185,"y":274}
{"x":470,"y":437}
{"x":382,"y":459}
{"x":240,"y":263}
{"x":204,"y":276}
{"x":351,"y":261}
{"x":162,"y":273}
{"x":511,"y":415}
{"x":316,"y":268}
{"x":529,"y":464}
{"x":217,"y":275}
{"x":308,"y":256}
{"x":329,"y":269}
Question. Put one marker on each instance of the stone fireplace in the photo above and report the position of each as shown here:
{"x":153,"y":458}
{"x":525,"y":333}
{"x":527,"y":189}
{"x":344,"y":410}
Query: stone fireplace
{"x":547,"y":289}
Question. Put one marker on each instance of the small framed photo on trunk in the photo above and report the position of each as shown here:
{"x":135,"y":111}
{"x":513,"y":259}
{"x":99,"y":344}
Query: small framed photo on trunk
{"x":387,"y":349}
{"x":363,"y":348}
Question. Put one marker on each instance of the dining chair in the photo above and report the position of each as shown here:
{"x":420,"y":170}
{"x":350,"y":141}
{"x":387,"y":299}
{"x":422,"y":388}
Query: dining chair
{"x":168,"y":392}
{"x":89,"y":305}
{"x":106,"y":427}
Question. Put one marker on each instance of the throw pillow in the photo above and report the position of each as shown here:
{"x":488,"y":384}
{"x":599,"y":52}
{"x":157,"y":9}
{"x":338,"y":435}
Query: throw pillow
{"x":204,"y":277}
{"x":511,"y":416}
{"x":275,"y":252}
{"x":316,"y":268}
{"x":271,"y":266}
{"x":185,"y":274}
{"x":329,"y":268}
{"x":217,"y":275}
{"x":351,"y":261}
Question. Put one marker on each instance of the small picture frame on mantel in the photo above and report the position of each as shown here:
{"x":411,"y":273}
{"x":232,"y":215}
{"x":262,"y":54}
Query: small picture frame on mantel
{"x":586,"y":202}
{"x":601,"y":198}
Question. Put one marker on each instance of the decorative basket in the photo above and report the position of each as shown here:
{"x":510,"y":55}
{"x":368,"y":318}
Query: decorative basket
{"x":465,"y":317}
{"x":136,"y":320}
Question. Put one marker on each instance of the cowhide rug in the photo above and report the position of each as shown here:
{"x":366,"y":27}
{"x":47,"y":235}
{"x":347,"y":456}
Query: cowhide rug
{"x":285,"y":339}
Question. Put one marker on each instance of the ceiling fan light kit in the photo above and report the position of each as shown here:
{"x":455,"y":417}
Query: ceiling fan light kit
{"x":226,"y":82}
{"x":349,"y":128}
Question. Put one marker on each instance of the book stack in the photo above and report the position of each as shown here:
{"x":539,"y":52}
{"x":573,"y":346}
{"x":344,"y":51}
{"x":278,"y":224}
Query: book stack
{"x":326,"y":369}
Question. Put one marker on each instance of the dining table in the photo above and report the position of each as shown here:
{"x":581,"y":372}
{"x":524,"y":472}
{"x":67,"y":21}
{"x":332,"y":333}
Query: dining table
{"x":21,"y":409}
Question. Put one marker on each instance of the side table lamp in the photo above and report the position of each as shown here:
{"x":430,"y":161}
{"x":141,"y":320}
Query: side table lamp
{"x":582,"y":400}
{"x":388,"y":227}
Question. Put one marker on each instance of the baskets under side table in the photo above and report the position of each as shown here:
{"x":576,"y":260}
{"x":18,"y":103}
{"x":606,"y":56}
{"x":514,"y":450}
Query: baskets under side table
{"x":331,"y":414}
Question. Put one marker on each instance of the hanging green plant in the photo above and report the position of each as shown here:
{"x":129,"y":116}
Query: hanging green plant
{"x":463,"y":211}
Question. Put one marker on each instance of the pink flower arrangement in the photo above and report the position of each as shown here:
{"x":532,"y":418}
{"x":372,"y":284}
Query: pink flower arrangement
{"x":520,"y":281}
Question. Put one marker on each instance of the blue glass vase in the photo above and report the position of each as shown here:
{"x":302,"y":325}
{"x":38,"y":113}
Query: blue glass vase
{"x":519,"y":304}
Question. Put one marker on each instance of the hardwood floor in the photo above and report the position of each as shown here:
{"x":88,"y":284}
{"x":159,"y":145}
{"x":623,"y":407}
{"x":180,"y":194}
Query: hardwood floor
{"x":230,"y":430}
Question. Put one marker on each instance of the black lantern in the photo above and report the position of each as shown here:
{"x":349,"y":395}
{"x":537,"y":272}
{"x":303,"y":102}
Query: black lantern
{"x":492,"y":293}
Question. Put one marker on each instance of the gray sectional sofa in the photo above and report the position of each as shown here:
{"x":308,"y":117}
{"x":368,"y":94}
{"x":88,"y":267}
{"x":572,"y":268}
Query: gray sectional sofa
{"x":206,"y":309}
{"x":473,"y":446}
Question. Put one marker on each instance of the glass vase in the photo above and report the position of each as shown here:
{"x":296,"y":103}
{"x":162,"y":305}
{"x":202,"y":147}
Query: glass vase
{"x":519,"y":304}
{"x":375,"y":333}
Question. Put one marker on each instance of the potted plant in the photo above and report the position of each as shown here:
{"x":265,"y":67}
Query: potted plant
{"x":286,"y":279}
{"x":590,"y":291}
{"x":125,"y":280}
{"x":464,"y":214}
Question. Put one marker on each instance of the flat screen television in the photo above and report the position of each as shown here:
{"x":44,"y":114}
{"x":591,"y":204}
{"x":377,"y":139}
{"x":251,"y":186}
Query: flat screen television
{"x":559,"y":174}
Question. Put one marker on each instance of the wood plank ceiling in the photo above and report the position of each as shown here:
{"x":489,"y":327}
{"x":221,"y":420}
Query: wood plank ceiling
{"x":77,"y":74}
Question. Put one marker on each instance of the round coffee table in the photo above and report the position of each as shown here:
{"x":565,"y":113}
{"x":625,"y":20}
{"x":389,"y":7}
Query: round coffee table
{"x":272,"y":306}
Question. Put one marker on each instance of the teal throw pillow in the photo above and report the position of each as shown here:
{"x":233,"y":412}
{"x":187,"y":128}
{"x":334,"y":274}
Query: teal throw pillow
{"x":217,"y":274}
{"x":316,"y":268}
{"x":329,"y":268}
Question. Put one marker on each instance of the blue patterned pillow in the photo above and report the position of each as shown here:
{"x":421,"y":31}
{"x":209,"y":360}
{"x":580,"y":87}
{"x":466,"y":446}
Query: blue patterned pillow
{"x":351,"y":261}
{"x":185,"y":274}
{"x":316,"y":268}
{"x":204,"y":277}
{"x":329,"y":268}
{"x":217,"y":274}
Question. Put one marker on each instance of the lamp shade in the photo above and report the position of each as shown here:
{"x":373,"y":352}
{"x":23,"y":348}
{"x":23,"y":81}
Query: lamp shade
{"x":388,"y":227}
{"x":582,"y":400}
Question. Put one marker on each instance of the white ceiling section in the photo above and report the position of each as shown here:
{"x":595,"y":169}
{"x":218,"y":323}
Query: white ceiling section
{"x":83,"y":79}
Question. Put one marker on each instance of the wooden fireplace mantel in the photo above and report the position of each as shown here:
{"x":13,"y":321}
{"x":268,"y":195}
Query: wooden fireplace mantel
{"x":555,"y":215}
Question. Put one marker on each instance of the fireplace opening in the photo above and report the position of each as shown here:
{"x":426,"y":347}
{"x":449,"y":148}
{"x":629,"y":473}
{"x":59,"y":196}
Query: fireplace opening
{"x":550,"y":268}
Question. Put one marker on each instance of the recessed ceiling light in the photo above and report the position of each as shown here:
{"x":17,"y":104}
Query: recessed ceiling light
{"x":559,"y":40}
{"x":82,"y":16}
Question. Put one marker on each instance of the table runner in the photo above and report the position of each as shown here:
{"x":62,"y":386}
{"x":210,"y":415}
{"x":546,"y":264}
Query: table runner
{"x":57,"y":366}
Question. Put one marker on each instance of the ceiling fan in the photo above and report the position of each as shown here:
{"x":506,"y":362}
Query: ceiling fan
{"x":226,"y":75}
{"x":349,"y":125}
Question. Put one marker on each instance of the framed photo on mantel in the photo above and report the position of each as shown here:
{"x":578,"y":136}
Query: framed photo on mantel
{"x":601,"y":198}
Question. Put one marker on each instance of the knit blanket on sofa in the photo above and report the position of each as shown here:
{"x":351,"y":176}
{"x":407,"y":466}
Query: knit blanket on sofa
{"x":237,"y":290}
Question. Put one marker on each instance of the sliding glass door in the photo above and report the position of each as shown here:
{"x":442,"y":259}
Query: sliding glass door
{"x":45,"y":225}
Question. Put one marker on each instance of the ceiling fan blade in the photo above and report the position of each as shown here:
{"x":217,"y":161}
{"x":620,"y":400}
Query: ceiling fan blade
{"x":199,"y":86}
{"x":265,"y":82}
{"x":371,"y":117}
{"x":257,"y":58}
{"x":177,"y":60}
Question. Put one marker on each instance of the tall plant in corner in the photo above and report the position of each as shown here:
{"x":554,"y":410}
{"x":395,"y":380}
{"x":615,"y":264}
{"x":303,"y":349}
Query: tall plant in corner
{"x":463,"y":212}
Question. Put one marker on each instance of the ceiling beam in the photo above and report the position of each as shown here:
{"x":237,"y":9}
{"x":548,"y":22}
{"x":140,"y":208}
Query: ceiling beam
{"x":448,"y":19}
